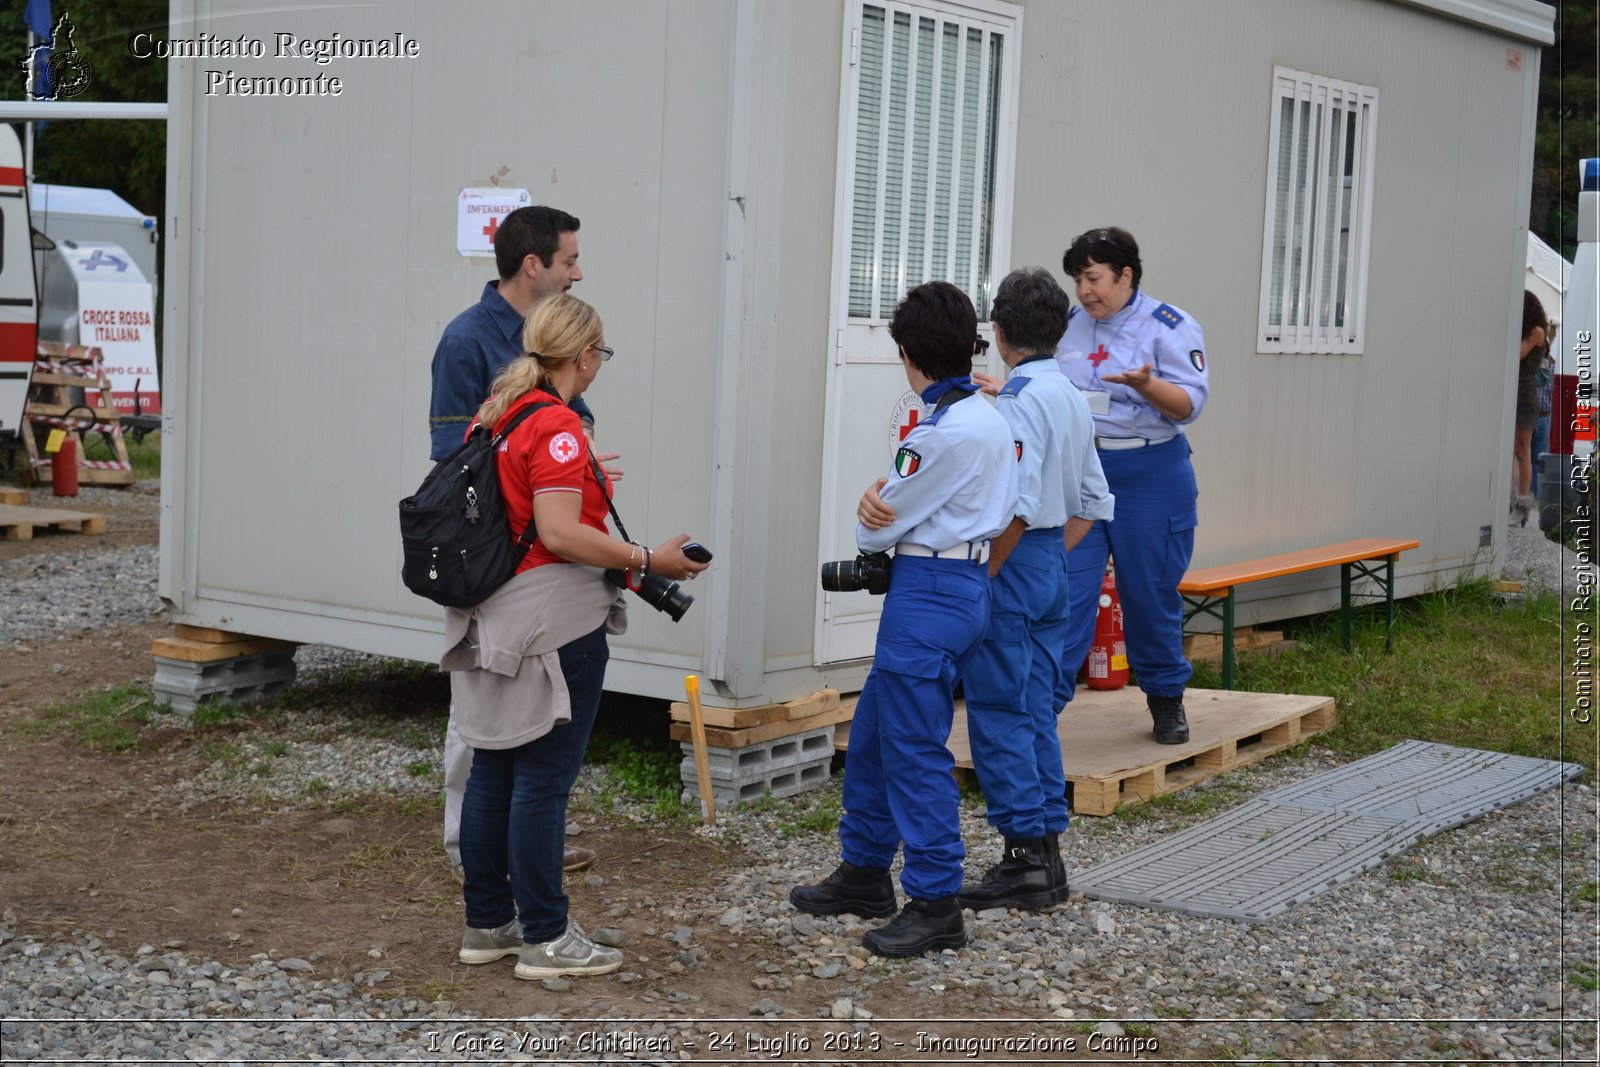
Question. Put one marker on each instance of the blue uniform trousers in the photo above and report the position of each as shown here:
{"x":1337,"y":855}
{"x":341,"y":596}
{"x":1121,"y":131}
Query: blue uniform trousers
{"x":899,"y":776}
{"x":1152,"y":540}
{"x":1011,"y":686}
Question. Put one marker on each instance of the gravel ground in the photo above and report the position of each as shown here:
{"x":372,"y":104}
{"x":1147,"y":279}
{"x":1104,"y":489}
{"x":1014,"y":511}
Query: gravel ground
{"x":1541,"y":564}
{"x":1476,"y":945}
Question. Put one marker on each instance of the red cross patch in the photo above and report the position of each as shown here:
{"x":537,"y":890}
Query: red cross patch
{"x":564,"y":447}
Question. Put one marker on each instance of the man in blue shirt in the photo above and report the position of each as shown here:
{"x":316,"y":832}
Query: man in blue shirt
{"x":1011,"y":684}
{"x":952,"y":489}
{"x":536,"y":252}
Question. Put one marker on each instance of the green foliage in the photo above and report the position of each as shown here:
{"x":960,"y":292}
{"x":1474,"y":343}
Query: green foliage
{"x":641,"y":770}
{"x":129,"y":157}
{"x":1588,"y":892}
{"x":1566,"y":124}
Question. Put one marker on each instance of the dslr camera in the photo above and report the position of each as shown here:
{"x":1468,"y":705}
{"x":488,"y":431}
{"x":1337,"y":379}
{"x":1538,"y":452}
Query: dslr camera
{"x":869,"y":571}
{"x":663,"y":594}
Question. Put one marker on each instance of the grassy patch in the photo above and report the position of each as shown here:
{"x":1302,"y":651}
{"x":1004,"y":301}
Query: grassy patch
{"x":1584,"y":977}
{"x":108,"y":721}
{"x":1467,"y":669}
{"x":220,"y":713}
{"x":145,"y":455}
{"x":640,"y":770}
{"x":1587,"y":893}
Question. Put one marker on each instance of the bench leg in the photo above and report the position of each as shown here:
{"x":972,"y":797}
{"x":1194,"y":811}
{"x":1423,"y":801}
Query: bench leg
{"x":1388,"y":607}
{"x":1227,"y":640}
{"x":1344,"y":605}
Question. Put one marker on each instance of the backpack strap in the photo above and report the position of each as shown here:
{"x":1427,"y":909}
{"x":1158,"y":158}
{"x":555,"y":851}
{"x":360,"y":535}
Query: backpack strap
{"x":529,"y":534}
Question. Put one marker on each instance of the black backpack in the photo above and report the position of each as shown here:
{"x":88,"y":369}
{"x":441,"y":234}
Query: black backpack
{"x":456,"y":548}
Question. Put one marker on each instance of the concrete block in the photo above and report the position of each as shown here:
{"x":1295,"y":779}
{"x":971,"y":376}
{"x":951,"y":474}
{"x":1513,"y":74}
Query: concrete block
{"x":187,"y":684}
{"x":780,"y":782}
{"x":730,"y":765}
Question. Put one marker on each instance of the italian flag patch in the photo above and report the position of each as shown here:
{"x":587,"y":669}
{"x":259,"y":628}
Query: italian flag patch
{"x":1198,"y":359}
{"x":906,"y":462}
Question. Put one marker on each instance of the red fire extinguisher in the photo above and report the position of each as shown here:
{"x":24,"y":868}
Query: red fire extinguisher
{"x":64,"y":468}
{"x":1107,"y":666}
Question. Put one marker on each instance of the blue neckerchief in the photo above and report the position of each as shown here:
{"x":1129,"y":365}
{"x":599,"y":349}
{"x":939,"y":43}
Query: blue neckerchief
{"x":932,"y":393}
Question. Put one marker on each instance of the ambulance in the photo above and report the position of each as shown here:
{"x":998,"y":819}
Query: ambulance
{"x":1566,"y":483}
{"x":19,"y":304}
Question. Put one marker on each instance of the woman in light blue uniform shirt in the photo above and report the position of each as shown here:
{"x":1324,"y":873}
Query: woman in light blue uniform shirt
{"x":1141,"y":364}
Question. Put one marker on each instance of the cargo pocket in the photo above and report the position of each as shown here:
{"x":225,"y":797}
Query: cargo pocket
{"x":1180,"y":544}
{"x":916,"y":661}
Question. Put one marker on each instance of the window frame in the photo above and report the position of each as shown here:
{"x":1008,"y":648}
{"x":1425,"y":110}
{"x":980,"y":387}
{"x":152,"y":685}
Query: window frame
{"x":994,"y":158}
{"x":1307,"y":323}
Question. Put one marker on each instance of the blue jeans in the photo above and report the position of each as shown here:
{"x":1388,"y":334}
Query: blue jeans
{"x":514,"y":815}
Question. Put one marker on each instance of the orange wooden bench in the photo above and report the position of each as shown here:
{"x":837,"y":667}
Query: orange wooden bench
{"x":1210,"y":590}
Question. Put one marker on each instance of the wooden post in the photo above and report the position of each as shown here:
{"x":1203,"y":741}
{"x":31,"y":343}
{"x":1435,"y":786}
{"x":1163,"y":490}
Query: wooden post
{"x":697,"y":730}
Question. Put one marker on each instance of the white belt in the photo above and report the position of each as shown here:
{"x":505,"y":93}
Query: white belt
{"x":972,"y":551}
{"x":1116,"y":444}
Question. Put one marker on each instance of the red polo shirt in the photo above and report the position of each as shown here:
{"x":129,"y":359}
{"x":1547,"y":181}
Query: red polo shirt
{"x":548,"y":453}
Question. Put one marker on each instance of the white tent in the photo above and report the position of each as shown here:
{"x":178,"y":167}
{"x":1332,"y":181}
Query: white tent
{"x":1546,"y":277}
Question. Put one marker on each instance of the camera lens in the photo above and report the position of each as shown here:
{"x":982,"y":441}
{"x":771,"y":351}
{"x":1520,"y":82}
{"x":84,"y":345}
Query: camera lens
{"x":840,"y":576}
{"x":665,"y":595}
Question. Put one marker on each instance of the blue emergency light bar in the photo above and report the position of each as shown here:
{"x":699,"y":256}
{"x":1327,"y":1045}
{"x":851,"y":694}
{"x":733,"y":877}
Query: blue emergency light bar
{"x":1589,"y":176}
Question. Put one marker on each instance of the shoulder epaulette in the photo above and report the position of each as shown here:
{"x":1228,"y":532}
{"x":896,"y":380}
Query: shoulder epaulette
{"x":1071,"y":312}
{"x":1016,"y":385}
{"x":1168,"y":316}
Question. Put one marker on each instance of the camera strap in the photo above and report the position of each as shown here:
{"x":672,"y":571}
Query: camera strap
{"x":600,"y":480}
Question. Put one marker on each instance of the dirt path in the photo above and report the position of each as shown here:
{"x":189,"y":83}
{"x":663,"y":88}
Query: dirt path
{"x":91,"y":842}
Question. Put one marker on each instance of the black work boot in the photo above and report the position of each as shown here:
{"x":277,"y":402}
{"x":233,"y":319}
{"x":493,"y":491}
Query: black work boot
{"x":922,"y":926}
{"x":864,"y":891}
{"x":1022,"y":879}
{"x":1171,"y":728}
{"x":1058,"y":869}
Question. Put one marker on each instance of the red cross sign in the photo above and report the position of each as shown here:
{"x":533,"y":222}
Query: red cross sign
{"x":489,"y":230}
{"x":1099,"y":355}
{"x":910,"y":424}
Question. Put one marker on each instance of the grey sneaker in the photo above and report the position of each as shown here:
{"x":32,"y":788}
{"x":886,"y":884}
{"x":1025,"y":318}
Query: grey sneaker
{"x":571,"y":953}
{"x":486,"y":946}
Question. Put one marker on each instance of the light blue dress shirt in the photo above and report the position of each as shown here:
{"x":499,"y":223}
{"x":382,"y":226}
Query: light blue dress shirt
{"x":1058,"y":470}
{"x":1142,"y":332}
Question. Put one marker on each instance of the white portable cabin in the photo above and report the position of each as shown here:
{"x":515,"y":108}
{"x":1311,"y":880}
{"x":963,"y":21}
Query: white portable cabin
{"x":1335,"y":189}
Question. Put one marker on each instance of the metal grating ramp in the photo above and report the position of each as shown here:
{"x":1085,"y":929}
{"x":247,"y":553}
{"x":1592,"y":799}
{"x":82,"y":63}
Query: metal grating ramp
{"x":1287,"y":846}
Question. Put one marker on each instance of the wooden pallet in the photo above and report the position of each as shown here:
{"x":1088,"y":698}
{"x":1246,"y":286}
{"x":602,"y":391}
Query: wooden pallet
{"x":19,"y":523}
{"x":1110,"y":757}
{"x":8,"y":495}
{"x":818,"y":703}
{"x":726,"y":737}
{"x":203,"y":644}
{"x":1207,"y":648}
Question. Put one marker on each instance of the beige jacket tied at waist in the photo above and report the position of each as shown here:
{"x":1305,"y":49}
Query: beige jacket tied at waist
{"x":506,"y":684}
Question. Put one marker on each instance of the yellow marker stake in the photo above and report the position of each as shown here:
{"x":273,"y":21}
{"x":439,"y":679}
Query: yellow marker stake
{"x":697,"y":732}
